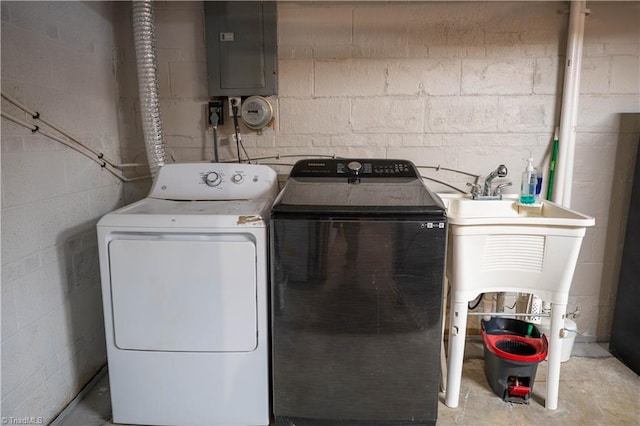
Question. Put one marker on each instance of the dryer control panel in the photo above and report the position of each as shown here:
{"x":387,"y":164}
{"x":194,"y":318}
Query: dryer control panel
{"x":214,"y":181}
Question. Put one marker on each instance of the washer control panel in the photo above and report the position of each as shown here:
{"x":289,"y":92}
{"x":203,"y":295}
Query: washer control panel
{"x":354,"y":167}
{"x":214,"y":181}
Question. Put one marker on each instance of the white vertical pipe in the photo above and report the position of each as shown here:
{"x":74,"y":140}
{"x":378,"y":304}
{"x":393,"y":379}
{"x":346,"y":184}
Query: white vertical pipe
{"x":569,"y":110}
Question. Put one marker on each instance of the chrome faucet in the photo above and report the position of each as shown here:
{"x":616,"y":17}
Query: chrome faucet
{"x":484,"y":192}
{"x":501,"y":171}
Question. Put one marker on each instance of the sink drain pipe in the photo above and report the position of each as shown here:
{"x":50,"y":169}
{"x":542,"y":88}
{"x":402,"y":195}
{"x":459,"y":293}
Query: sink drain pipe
{"x":145,"y":47}
{"x":569,"y":109}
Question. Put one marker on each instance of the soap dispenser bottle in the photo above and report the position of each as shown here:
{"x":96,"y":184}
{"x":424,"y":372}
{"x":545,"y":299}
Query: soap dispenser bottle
{"x":528,"y":184}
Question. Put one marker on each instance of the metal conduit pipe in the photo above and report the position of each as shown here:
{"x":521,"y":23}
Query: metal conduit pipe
{"x":145,"y":46}
{"x":111,"y":168}
{"x":569,"y":109}
{"x":37,"y":116}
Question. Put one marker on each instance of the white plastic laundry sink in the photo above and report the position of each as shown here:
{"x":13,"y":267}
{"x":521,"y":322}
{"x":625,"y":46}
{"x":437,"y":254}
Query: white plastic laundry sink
{"x":462,"y":210}
{"x":501,"y":246}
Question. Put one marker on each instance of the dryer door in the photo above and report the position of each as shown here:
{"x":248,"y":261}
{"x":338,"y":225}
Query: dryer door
{"x":191,"y":295}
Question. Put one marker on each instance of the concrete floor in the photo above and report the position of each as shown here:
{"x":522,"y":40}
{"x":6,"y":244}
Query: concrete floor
{"x":595,"y":389}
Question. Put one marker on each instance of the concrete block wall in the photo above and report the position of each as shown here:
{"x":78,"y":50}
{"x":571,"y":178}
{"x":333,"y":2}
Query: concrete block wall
{"x":425,"y":80}
{"x":462,"y":85}
{"x":608,"y":131}
{"x":57,"y":58}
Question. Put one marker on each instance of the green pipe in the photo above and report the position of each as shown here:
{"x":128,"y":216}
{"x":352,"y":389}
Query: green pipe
{"x":552,"y":165}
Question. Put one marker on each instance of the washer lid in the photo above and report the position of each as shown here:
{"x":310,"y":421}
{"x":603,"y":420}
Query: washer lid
{"x":358,"y":186}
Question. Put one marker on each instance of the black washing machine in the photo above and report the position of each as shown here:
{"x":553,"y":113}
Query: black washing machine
{"x":357,"y":263}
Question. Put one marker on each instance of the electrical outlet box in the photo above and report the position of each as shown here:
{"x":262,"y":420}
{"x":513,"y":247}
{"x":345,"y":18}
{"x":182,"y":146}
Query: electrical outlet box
{"x":215,"y":107}
{"x":238,"y":103}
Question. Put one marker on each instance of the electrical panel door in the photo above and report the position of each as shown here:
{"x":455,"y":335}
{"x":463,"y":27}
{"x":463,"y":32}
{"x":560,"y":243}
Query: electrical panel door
{"x":241,"y":41}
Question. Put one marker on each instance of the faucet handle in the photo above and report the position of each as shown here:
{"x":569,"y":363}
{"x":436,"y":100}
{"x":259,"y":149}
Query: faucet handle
{"x":476,"y":189}
{"x":498,"y":190}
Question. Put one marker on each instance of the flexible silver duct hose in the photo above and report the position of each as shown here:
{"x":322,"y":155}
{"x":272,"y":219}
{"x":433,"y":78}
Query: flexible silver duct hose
{"x":145,"y":44}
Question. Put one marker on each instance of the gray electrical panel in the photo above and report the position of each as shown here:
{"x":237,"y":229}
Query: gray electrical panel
{"x":241,"y":47}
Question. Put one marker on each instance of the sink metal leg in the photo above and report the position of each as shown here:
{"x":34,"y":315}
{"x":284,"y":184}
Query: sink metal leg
{"x":554,"y":355}
{"x":457,"y":335}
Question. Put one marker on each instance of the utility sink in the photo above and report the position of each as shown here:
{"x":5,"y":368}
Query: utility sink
{"x":462,"y":210}
{"x":502,"y":246}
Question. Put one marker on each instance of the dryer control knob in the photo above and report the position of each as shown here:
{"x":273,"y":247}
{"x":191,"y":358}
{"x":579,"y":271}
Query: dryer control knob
{"x":354,"y":167}
{"x":237,"y":178}
{"x":212,"y":179}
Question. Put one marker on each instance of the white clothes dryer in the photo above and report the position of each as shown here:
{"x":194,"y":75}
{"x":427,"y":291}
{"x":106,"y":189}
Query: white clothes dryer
{"x":184,"y":287}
